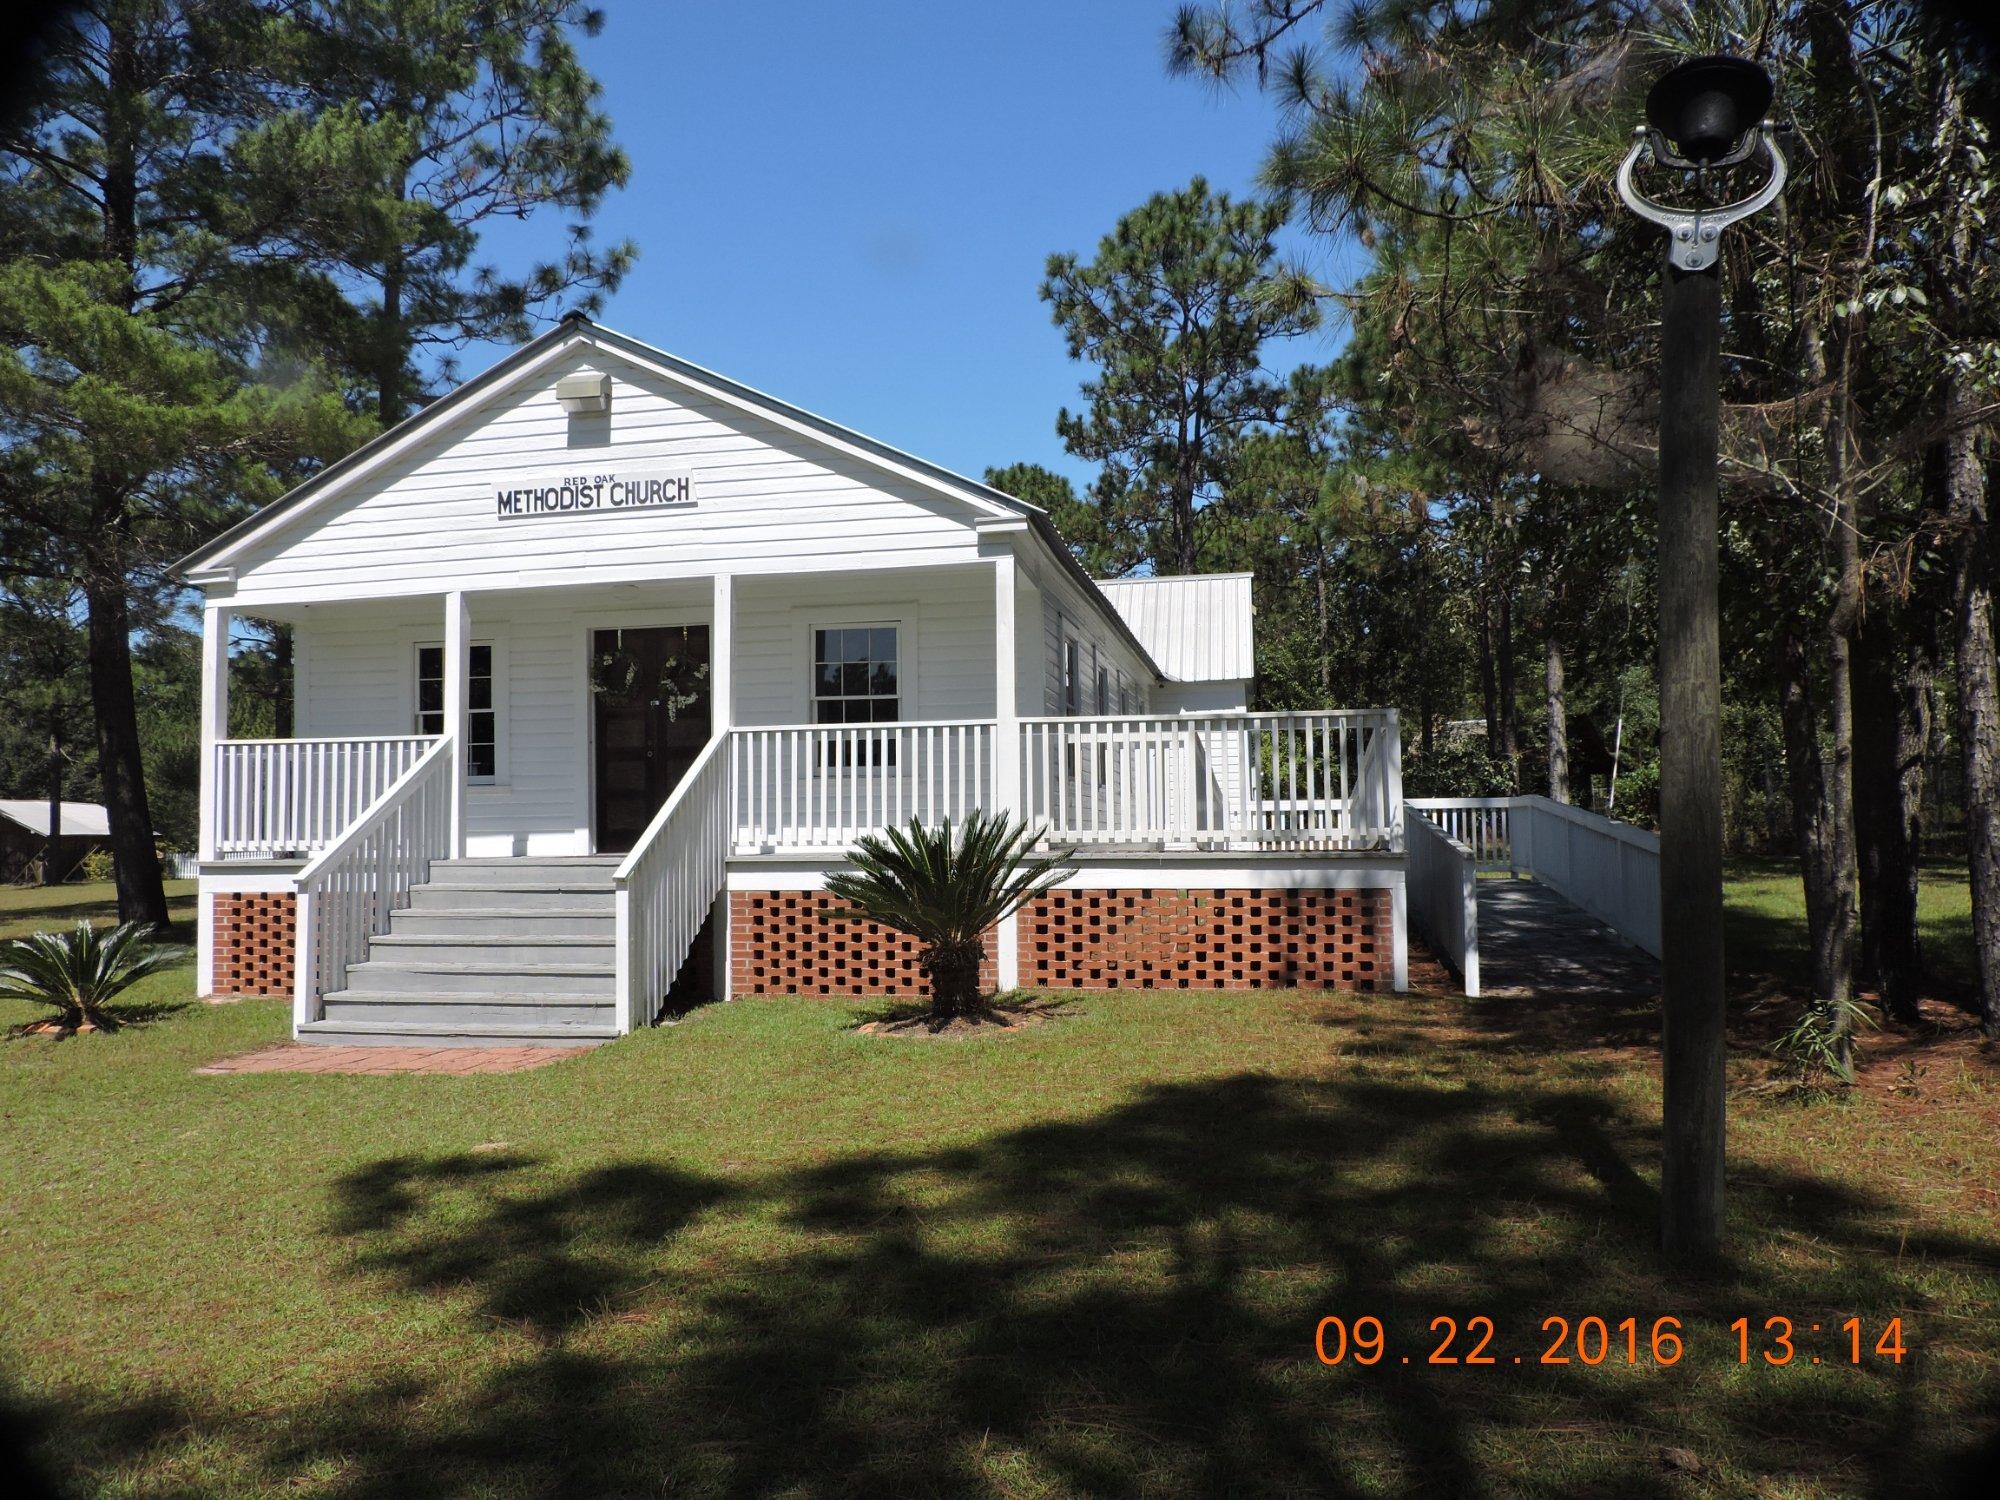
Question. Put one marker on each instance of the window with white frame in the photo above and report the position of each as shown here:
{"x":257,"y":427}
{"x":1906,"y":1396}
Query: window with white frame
{"x":857,"y":675}
{"x":482,"y":740}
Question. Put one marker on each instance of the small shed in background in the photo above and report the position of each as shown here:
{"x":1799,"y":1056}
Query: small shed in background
{"x":25,"y":840}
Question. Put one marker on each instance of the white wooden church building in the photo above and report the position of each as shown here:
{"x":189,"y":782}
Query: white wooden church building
{"x":603,"y":661}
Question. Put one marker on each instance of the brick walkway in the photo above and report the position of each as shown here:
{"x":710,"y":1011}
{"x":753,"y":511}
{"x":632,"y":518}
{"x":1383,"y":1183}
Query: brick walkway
{"x":289,"y":1057}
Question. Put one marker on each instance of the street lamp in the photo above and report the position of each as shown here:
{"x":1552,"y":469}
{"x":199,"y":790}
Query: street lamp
{"x":1705,"y":115}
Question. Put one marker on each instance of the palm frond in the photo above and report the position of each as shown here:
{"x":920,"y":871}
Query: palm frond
{"x":77,"y":973}
{"x":942,"y":884}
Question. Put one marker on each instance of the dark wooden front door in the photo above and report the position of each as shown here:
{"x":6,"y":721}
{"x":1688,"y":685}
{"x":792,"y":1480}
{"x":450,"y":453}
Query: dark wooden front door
{"x":649,"y":692}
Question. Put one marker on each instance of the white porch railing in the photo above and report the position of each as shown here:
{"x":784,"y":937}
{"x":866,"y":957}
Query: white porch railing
{"x":292,"y":797}
{"x":345,"y":895}
{"x":667,"y":884}
{"x":1443,"y":883}
{"x":816,"y":787}
{"x":1482,"y":824}
{"x":1309,"y":782}
{"x":1328,"y":780}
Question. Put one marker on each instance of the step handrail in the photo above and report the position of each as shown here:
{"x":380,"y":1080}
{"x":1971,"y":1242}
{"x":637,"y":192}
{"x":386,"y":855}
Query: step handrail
{"x":347,"y":891}
{"x":665,"y":887}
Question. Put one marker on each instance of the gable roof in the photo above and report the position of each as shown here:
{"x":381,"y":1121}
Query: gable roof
{"x":1198,"y":627}
{"x":79,"y":819}
{"x":576,"y":329}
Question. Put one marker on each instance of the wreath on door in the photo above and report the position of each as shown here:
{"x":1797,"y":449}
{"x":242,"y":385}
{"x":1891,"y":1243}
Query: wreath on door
{"x":675,"y":689}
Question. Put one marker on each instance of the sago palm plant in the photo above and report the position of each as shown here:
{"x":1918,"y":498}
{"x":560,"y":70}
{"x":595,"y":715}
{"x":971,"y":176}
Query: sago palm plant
{"x":945,"y":887}
{"x":79,"y":973}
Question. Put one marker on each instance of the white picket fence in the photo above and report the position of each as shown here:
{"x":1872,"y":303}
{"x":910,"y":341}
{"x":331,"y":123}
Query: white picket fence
{"x":345,"y":895}
{"x":286,"y":798}
{"x":1443,"y":891}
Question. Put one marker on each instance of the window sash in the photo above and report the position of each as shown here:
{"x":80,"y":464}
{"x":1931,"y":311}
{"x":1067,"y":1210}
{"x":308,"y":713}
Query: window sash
{"x":482,"y":738}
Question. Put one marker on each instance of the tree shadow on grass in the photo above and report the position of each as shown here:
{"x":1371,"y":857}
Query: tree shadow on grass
{"x":546,"y":1261}
{"x":1123,"y":1304}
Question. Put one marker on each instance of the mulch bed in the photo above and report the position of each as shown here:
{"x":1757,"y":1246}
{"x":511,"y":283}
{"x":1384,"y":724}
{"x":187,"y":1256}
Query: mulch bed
{"x":1003,"y":1019}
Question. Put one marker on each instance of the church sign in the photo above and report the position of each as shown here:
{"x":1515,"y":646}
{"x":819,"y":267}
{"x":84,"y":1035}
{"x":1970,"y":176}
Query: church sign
{"x":596,"y":494}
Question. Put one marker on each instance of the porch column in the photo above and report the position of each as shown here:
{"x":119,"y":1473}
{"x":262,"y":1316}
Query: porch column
{"x":722,"y":656}
{"x":215,"y":623}
{"x":214,"y":728}
{"x":1006,"y":743}
{"x":457,"y":711}
{"x":722,"y":718}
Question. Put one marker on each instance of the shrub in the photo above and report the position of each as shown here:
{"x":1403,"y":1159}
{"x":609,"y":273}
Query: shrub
{"x":1458,"y":766}
{"x":97,"y":866}
{"x":945,"y":890}
{"x":79,"y":973}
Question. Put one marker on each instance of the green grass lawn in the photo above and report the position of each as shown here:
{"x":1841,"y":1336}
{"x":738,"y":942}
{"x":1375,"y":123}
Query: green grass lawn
{"x":33,"y":908}
{"x":1765,"y":921}
{"x":758,"y":1254}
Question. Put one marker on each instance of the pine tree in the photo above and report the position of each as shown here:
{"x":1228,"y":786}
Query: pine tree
{"x":1174,"y":313}
{"x":457,"y":113}
{"x":152,"y":206}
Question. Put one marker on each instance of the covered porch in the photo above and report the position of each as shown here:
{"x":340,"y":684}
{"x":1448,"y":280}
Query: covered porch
{"x":679,"y":733}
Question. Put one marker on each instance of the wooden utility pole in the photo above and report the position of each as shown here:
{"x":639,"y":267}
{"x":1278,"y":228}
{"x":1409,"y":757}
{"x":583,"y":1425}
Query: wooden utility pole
{"x":1705,"y":114}
{"x":1691,"y":971}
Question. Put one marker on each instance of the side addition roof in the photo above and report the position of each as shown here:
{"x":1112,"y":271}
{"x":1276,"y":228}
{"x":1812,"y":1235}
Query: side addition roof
{"x":79,"y":819}
{"x":1197,"y":627}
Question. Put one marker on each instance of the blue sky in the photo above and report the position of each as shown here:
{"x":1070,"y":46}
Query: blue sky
{"x":849,"y":206}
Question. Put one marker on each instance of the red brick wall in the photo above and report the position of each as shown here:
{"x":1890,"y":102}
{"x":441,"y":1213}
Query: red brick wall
{"x":254,"y":942}
{"x":780,"y":945}
{"x":1084,"y":940}
{"x":1208,"y":940}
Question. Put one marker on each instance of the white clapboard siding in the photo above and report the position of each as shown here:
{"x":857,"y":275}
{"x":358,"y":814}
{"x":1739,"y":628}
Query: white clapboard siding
{"x":945,"y":618}
{"x":1064,"y":608}
{"x":767,"y":500}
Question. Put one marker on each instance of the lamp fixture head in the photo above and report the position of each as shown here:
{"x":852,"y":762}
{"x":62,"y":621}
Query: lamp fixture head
{"x":1708,"y":105}
{"x":583,"y":393}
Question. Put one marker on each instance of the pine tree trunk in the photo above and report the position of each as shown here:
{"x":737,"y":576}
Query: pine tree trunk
{"x":1558,"y":726}
{"x":282,"y":687}
{"x":389,"y":397}
{"x":1510,"y":694}
{"x":1812,"y":817}
{"x":1971,"y":496}
{"x":141,"y":896}
{"x":1489,"y":695}
{"x":1891,"y":736}
{"x":1323,"y":621}
{"x":50,"y":874}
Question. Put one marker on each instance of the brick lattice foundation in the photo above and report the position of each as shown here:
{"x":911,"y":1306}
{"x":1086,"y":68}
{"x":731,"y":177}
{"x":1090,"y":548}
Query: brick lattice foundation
{"x":779,"y":944}
{"x":255,"y":941}
{"x":1084,"y":940}
{"x":1153,"y":939}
